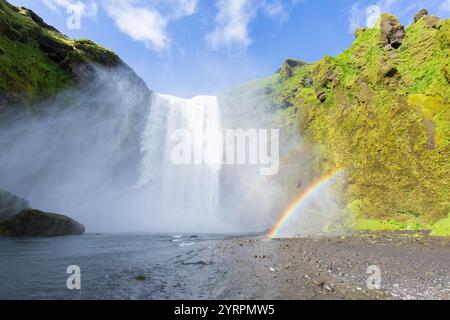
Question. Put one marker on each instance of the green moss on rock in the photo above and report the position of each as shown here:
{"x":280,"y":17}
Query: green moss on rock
{"x":441,"y":228}
{"x":36,"y":60}
{"x":381,"y":109}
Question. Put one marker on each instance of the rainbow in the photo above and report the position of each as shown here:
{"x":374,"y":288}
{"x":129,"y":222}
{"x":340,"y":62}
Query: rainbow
{"x":300,"y":199}
{"x":294,"y":151}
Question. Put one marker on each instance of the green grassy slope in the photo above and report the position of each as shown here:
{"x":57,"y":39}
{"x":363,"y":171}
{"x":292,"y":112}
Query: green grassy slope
{"x":36,"y":60}
{"x":382,"y":111}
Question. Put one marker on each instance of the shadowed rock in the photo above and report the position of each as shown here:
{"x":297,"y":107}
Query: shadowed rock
{"x":288,"y":67}
{"x":420,"y":14}
{"x":392,"y":31}
{"x":35,"y":223}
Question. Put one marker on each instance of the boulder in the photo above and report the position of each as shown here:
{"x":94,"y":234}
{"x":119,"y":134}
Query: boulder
{"x":392,"y":31}
{"x":35,"y":223}
{"x":322,"y":96}
{"x":420,"y":14}
{"x":11,"y":205}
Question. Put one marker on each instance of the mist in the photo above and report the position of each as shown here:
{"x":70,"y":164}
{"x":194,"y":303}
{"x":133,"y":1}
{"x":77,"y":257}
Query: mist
{"x":99,"y":154}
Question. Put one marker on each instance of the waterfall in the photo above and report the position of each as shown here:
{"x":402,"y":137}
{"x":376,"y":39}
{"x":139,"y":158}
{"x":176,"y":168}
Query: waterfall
{"x":185,"y":194}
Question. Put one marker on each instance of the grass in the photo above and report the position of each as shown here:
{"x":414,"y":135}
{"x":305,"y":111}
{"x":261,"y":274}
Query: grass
{"x":29,"y":74}
{"x":441,"y":228}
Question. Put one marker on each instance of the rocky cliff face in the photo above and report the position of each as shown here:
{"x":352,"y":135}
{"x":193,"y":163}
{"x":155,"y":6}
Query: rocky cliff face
{"x":381,"y":110}
{"x":37,"y":61}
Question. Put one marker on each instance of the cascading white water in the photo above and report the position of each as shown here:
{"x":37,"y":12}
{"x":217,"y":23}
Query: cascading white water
{"x":185,"y":194}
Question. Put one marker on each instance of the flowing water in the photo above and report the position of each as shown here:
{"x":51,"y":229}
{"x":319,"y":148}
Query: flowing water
{"x":190,"y":192}
{"x":174,"y":266}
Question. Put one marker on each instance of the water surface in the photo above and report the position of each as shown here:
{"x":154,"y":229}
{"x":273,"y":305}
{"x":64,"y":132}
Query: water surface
{"x":174,"y":266}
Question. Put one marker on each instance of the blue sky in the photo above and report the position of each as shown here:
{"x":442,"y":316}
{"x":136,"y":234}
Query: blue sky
{"x":191,"y":47}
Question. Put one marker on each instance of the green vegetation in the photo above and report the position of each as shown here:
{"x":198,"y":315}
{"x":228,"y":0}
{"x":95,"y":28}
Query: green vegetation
{"x":441,"y":228}
{"x":382,"y":111}
{"x":36,"y":60}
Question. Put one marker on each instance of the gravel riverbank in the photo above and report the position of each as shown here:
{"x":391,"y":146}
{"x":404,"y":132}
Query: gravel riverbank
{"x":412,"y":266}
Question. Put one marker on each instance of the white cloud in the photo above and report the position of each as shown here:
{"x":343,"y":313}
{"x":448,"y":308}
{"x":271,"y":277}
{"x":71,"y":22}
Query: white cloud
{"x":368,"y":16}
{"x":373,"y":13}
{"x":361,"y":16}
{"x":231,"y":23}
{"x":234,"y":17}
{"x":142,"y":24}
{"x":183,"y":8}
{"x":147,"y":21}
{"x":274,"y":8}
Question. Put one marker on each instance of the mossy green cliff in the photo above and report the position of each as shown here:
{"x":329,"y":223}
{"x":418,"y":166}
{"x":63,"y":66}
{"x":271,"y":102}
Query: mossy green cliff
{"x":37,"y":61}
{"x":381,"y":110}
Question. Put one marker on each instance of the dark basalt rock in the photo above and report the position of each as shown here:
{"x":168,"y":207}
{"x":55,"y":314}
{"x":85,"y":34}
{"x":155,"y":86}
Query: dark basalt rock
{"x":55,"y":50}
{"x":10,"y":204}
{"x":35,"y":223}
{"x":289,"y":66}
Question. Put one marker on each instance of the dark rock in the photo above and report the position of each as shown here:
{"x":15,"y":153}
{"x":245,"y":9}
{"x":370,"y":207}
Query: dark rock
{"x":13,"y":35}
{"x":390,"y":72}
{"x":35,"y":223}
{"x":293,"y":63}
{"x":11,"y":205}
{"x":392,"y":31}
{"x":55,"y":50}
{"x":287,"y":69}
{"x":140,"y":278}
{"x":420,"y":14}
{"x":322,"y":96}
